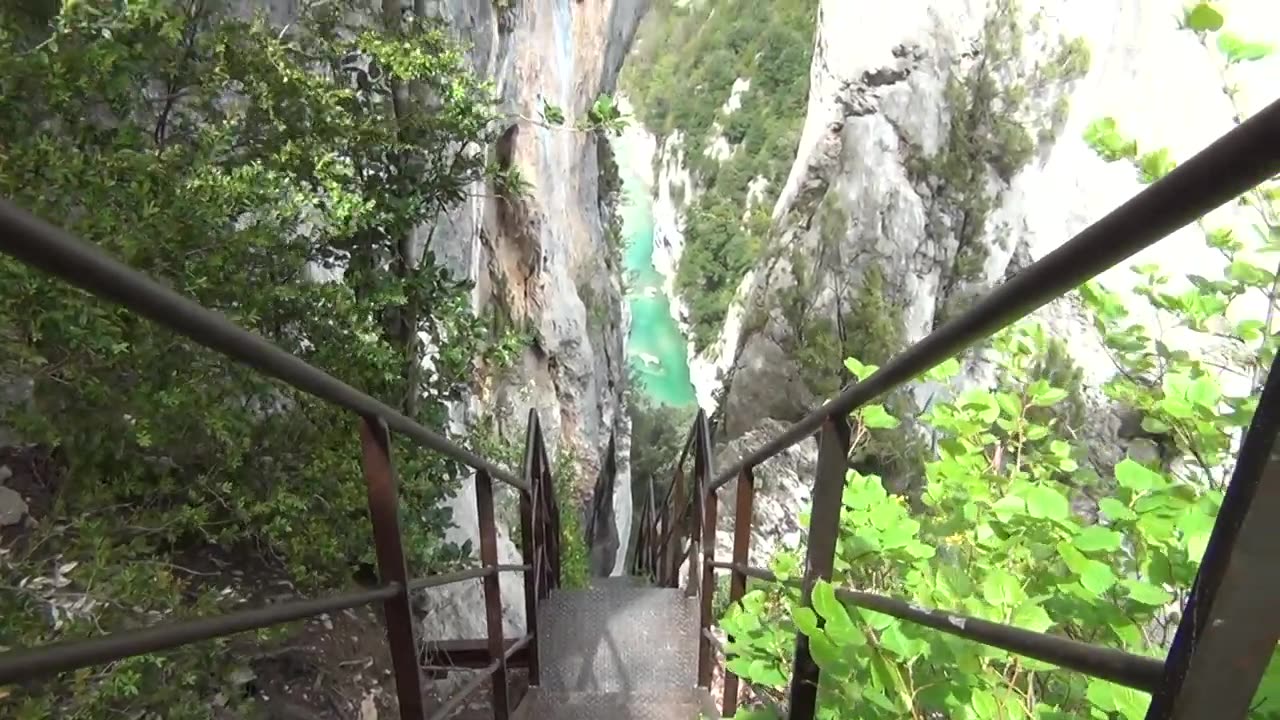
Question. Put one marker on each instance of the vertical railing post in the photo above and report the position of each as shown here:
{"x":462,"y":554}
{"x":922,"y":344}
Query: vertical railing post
{"x":655,"y":532}
{"x":743,"y":508}
{"x":529,"y":544}
{"x":659,"y":550}
{"x":824,"y":526}
{"x":492,"y":592}
{"x":691,"y":558}
{"x":380,"y":482}
{"x":1226,"y":638}
{"x":702,"y":474}
{"x":641,"y":560}
{"x":675,"y":526}
{"x":553,"y":517}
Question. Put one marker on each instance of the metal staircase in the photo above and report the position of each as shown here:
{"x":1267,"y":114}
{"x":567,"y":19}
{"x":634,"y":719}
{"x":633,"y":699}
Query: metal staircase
{"x":622,"y":650}
{"x":619,"y":649}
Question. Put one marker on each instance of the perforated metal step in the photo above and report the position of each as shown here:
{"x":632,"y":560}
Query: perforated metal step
{"x":618,"y":581}
{"x":689,"y":704}
{"x":618,"y":639}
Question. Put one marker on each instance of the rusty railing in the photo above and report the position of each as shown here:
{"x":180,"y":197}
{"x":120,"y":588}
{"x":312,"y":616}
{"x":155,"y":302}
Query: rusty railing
{"x":1229,"y":627}
{"x":48,"y":248}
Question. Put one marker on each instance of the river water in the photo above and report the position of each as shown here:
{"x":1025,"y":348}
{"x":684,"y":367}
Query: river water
{"x":656,"y":348}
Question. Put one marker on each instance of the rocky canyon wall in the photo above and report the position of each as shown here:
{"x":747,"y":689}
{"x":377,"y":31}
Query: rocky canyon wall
{"x":941,"y":151}
{"x":544,"y":261}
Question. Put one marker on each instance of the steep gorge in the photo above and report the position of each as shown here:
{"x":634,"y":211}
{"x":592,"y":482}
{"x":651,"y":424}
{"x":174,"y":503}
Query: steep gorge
{"x":546,"y":261}
{"x":941,"y":151}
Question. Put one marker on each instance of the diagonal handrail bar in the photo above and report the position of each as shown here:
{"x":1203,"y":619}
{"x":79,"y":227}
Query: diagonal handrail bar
{"x":24,"y":663}
{"x":1125,"y":668}
{"x":79,"y":263}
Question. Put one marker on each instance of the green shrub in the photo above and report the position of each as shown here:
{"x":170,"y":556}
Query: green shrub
{"x":998,"y":535}
{"x":242,"y":170}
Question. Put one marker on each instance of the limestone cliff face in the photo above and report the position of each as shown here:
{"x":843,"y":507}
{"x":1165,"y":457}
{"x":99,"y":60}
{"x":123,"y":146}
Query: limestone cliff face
{"x":868,"y":192}
{"x":881,"y":209}
{"x":544,"y":259}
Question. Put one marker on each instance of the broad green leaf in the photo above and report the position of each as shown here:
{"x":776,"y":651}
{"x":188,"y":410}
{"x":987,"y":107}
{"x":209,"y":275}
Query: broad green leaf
{"x":1096,"y":577}
{"x":1000,"y":588}
{"x":842,"y":634}
{"x":1044,"y":501}
{"x":740,"y":666}
{"x":1096,"y":538}
{"x":827,"y":605}
{"x":1196,"y":544}
{"x":1177,"y":407}
{"x":1154,"y":165}
{"x":1048,"y":397}
{"x":765,"y":673}
{"x":1138,"y":477}
{"x":825,"y":654}
{"x":806,"y":620}
{"x":1249,"y":273}
{"x":877,"y":697}
{"x":1032,"y":616}
{"x":1112,"y":698}
{"x":1129,"y":634}
{"x":1196,"y":526}
{"x":900,"y":534}
{"x":1104,"y":138}
{"x":1204,"y":18}
{"x":896,"y":641}
{"x":1010,"y":404}
{"x":944,"y":370}
{"x":1009,"y":507}
{"x":858,"y":369}
{"x":1146,"y":593}
{"x":875,"y":416}
{"x":1036,"y":432}
{"x":1250,"y":330}
{"x":875,"y":620}
{"x":1236,"y":50}
{"x":983,"y":706}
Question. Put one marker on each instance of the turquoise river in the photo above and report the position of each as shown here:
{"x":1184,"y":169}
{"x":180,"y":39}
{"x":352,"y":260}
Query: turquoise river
{"x":657,"y":349}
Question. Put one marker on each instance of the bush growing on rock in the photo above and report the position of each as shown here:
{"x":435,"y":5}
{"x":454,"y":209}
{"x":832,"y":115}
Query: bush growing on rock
{"x":1014,"y":527}
{"x":232,"y":160}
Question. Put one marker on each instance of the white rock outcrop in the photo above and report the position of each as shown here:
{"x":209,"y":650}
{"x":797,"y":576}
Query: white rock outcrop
{"x":878,"y":104}
{"x":862,"y":193}
{"x":543,"y":259}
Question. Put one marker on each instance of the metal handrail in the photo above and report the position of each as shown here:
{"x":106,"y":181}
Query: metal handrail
{"x":69,"y":655}
{"x":1135,"y":671}
{"x":438,"y":580}
{"x":57,"y":252}
{"x":43,"y":246}
{"x":1243,"y":158}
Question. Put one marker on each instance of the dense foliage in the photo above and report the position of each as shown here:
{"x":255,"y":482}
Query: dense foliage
{"x":232,"y":160}
{"x":1017,"y":524}
{"x":680,"y":76}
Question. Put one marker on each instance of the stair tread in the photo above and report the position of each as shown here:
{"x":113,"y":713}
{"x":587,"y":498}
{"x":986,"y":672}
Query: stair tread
{"x":618,"y":639}
{"x":619,"y":581}
{"x":672,"y":704}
